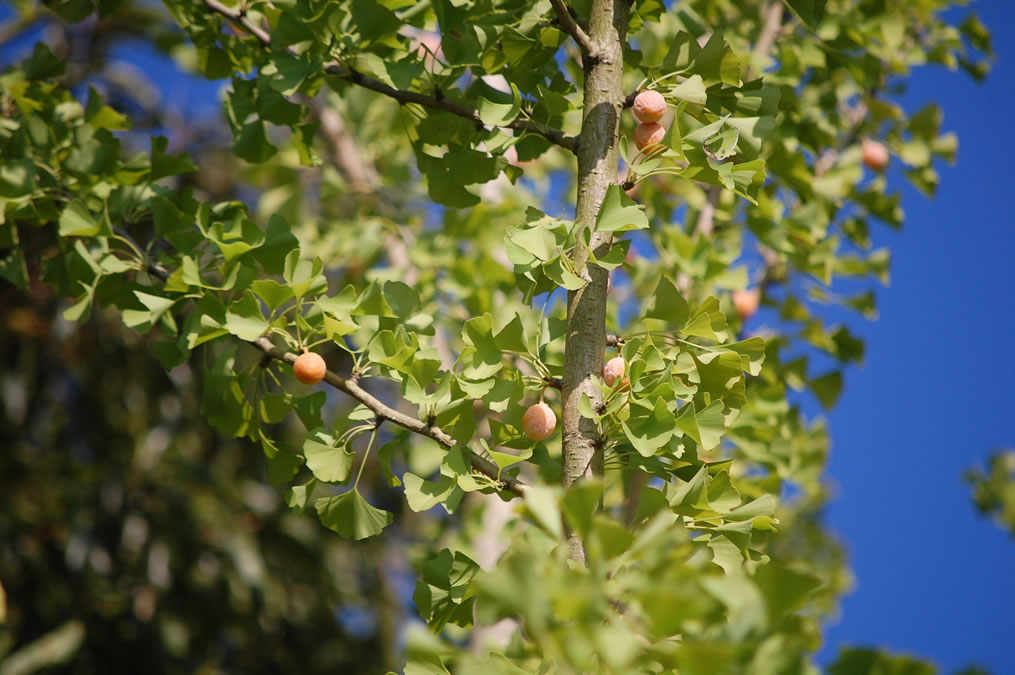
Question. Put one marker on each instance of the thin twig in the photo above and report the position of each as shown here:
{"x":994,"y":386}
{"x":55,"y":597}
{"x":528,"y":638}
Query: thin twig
{"x":571,"y":27}
{"x":856,"y":115}
{"x":385,"y":412}
{"x":382,"y":411}
{"x":771,"y":28}
{"x":705,"y":224}
{"x":335,"y":69}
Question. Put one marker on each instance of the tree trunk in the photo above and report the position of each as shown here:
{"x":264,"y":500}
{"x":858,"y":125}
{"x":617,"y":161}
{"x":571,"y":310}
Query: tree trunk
{"x":586,"y":308}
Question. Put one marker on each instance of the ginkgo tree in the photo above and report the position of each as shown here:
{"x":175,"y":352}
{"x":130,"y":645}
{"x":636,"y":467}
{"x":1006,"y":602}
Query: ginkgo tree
{"x":451,"y":205}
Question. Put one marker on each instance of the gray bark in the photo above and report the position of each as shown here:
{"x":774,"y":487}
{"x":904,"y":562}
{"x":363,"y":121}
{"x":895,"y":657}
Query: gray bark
{"x":586,"y":308}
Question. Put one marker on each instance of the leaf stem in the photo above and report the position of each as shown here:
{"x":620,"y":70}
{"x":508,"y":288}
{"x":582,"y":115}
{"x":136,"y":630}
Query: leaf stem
{"x":366,"y":453}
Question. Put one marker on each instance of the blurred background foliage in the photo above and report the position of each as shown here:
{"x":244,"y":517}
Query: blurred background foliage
{"x":125,"y":514}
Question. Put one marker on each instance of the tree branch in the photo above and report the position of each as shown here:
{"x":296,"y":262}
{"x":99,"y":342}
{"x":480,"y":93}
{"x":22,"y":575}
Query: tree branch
{"x":856,"y":115}
{"x":572,"y":28}
{"x":772,"y":24}
{"x":384,"y":412}
{"x":240,"y":17}
{"x":361,"y":174}
{"x":335,"y":69}
{"x":769,"y":31}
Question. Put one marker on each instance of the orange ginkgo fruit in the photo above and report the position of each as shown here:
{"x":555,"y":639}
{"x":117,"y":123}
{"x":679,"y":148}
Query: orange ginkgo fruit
{"x":649,"y":106}
{"x":309,"y":368}
{"x":538,"y":422}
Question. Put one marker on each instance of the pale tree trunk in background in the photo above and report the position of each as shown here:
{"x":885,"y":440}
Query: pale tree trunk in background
{"x":488,"y":547}
{"x":586,"y":308}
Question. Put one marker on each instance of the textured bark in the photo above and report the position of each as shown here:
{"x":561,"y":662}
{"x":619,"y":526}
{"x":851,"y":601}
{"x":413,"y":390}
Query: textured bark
{"x":586,"y":308}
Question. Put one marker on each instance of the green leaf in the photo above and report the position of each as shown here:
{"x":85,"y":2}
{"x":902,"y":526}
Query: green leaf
{"x":752,"y":353}
{"x":538,"y":241}
{"x":282,"y":466}
{"x":164,"y":165}
{"x":721,"y":494}
{"x":500,"y":114}
{"x":707,"y":321}
{"x":616,"y":256}
{"x":504,"y":459}
{"x":726,"y":554}
{"x":511,"y":337}
{"x":716,"y":62}
{"x":541,"y":504}
{"x":244,"y":318}
{"x":423,"y":495}
{"x":330,"y":463}
{"x":275,"y":407}
{"x":444,"y":594}
{"x":252,"y":144}
{"x":299,"y":495}
{"x":682,"y":52}
{"x":852,"y":661}
{"x":688,"y":494}
{"x":580,"y":503}
{"x":304,"y":276}
{"x":619,"y":212}
{"x":271,"y":292}
{"x":14,"y":269}
{"x":294,"y":73}
{"x":156,"y":306}
{"x":401,"y":298}
{"x":706,"y":427}
{"x":649,"y":428}
{"x":691,"y":90}
{"x":612,"y":538}
{"x":585,"y":408}
{"x":668,"y":304}
{"x":809,"y":11}
{"x":561,"y":274}
{"x":444,"y":185}
{"x":394,"y":349}
{"x":485,"y":359}
{"x":102,"y":116}
{"x":720,"y":376}
{"x":279,"y":242}
{"x":43,"y":64}
{"x":373,"y":20}
{"x":77,"y":221}
{"x":351,"y":516}
{"x":827,"y":388}
{"x":762,"y":506}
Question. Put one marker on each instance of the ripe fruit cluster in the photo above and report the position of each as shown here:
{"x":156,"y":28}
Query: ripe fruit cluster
{"x":539,"y":420}
{"x":649,"y":107}
{"x":309,"y":368}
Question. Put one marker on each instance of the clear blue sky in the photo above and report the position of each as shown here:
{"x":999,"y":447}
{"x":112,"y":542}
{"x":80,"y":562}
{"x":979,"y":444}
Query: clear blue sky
{"x":935,"y":396}
{"x":934,"y":579}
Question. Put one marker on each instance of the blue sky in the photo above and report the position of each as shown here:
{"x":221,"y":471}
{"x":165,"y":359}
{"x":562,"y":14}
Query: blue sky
{"x":933,"y":397}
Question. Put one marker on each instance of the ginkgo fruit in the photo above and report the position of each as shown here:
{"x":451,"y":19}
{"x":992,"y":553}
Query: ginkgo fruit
{"x":649,"y":106}
{"x":746,"y":302}
{"x":539,"y":421}
{"x":648,"y":134}
{"x":875,"y":154}
{"x":613,"y":369}
{"x":309,"y":368}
